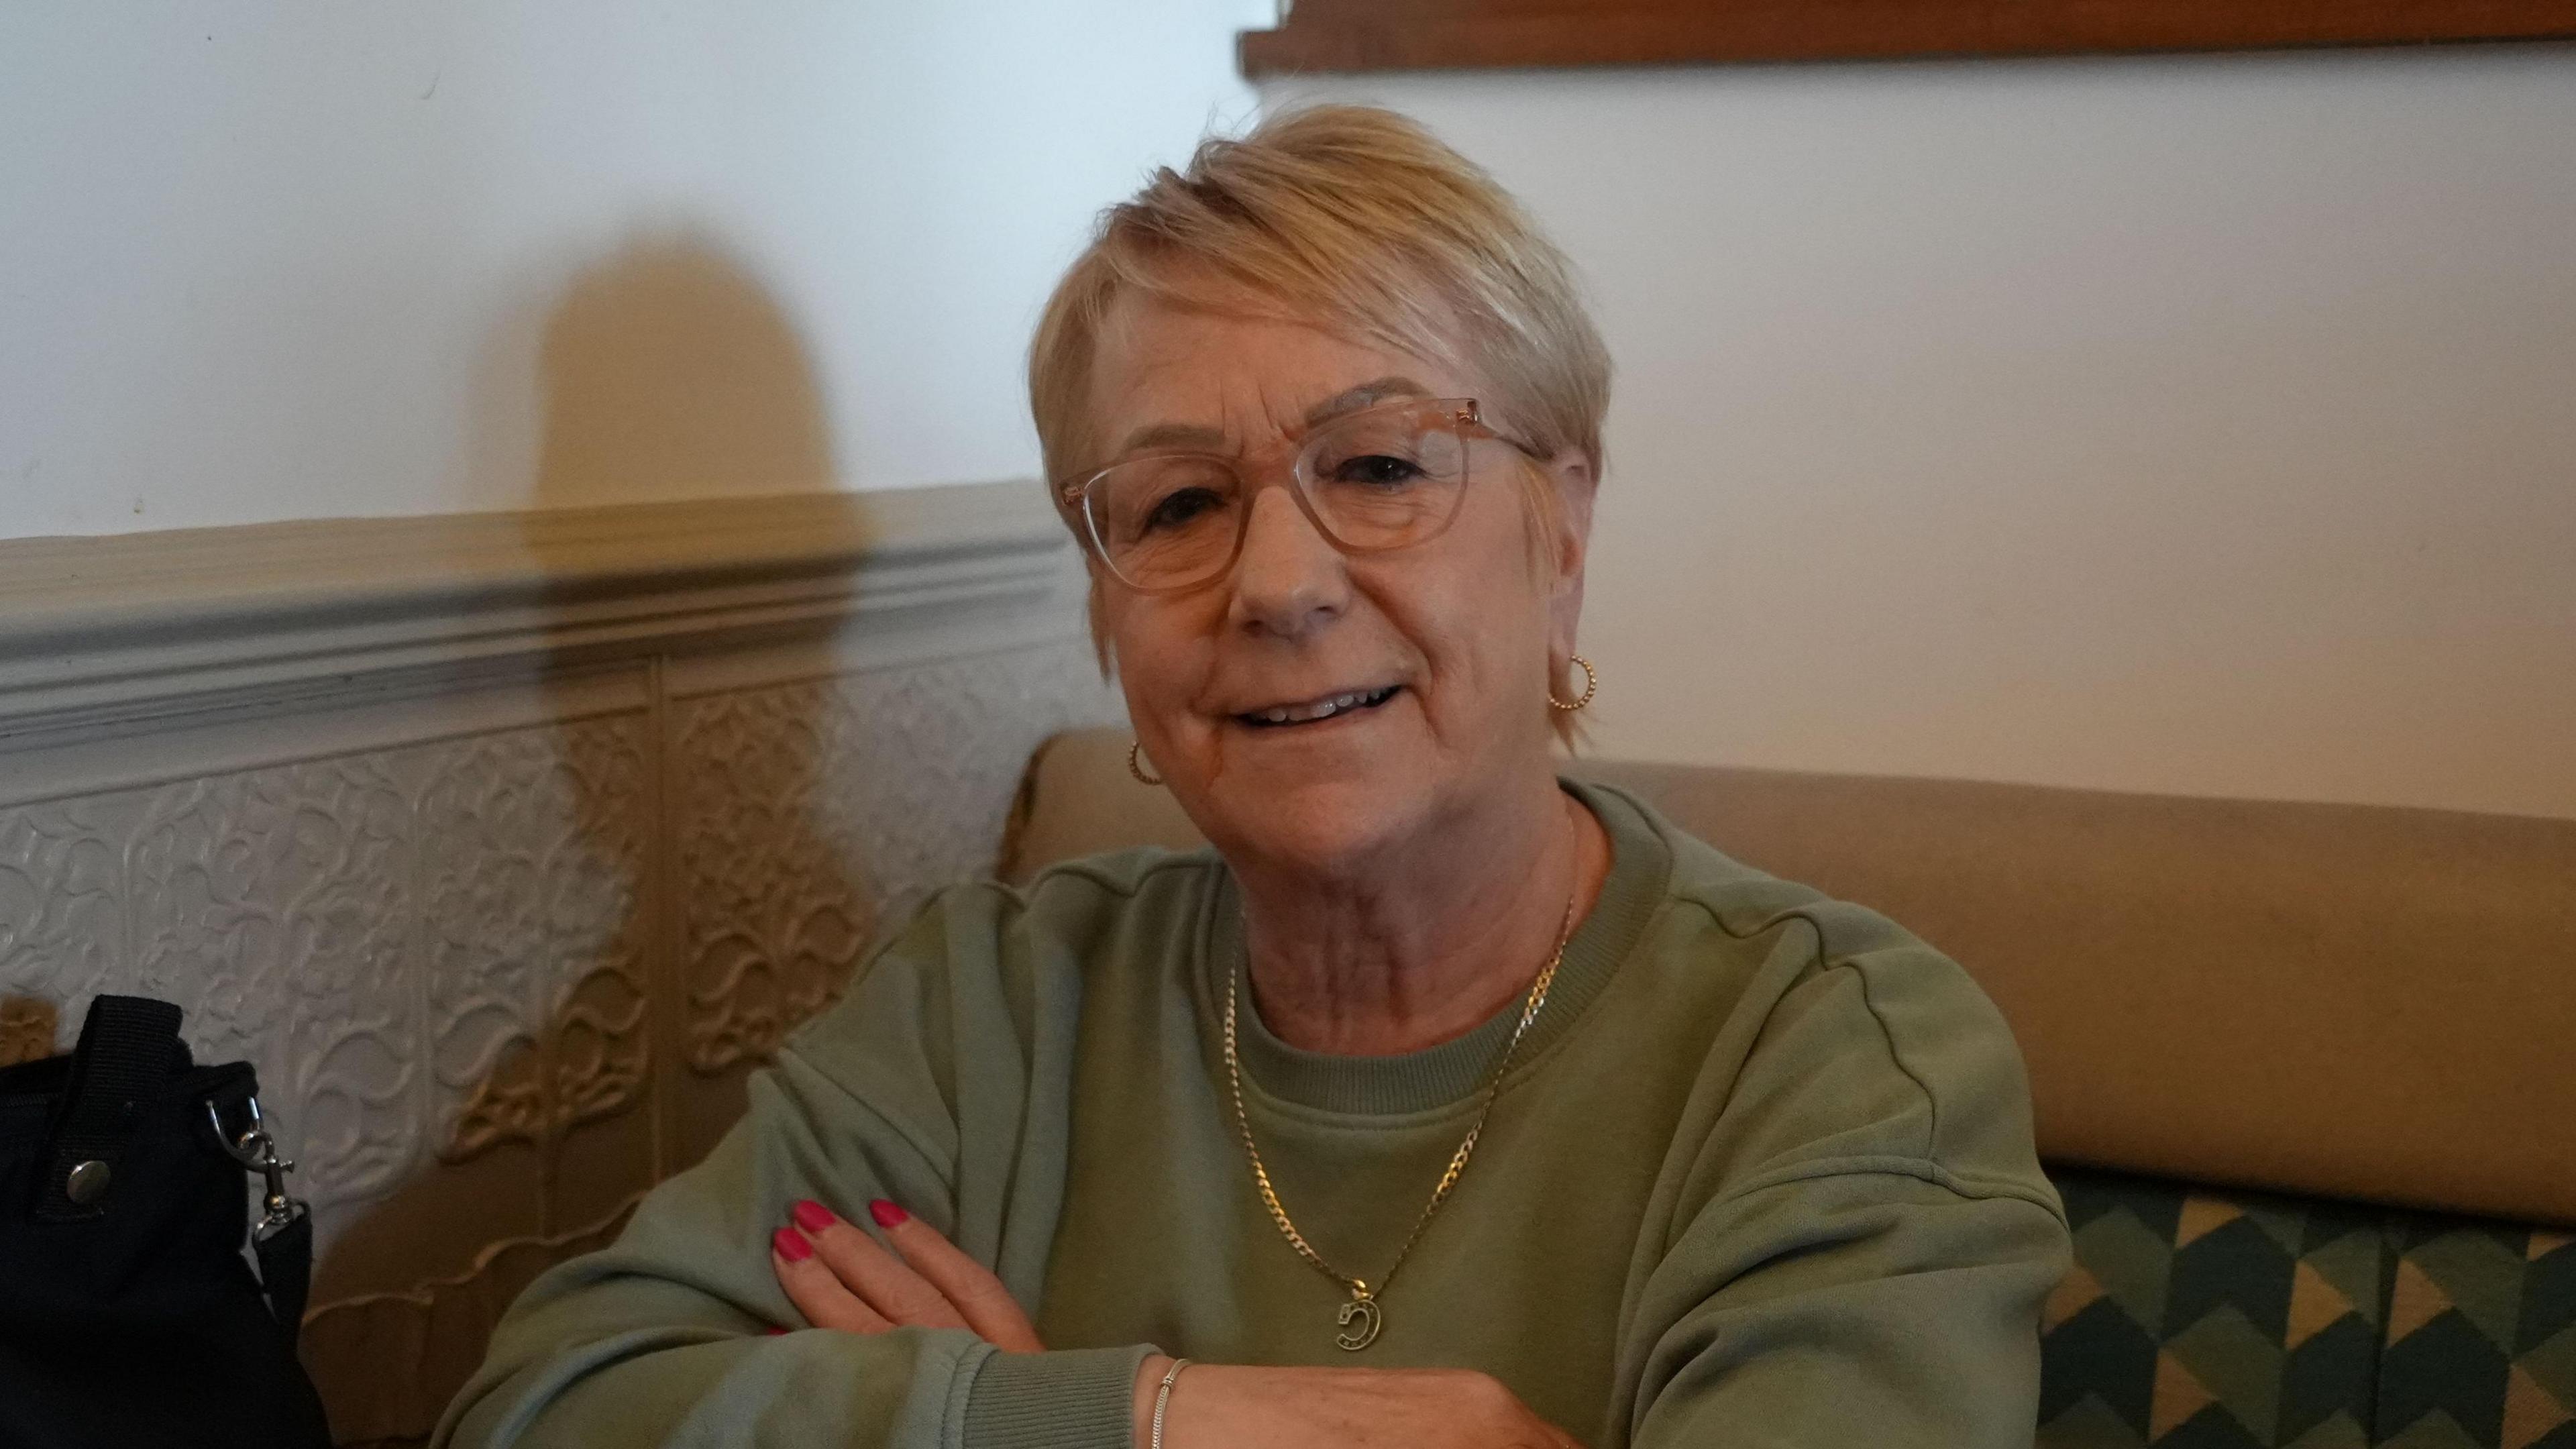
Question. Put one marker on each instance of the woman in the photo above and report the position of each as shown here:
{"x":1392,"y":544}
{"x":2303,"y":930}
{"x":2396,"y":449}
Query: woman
{"x":1443,"y":1102}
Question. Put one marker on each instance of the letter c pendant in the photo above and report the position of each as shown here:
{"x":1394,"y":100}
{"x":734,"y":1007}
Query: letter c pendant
{"x":1363,"y":1312}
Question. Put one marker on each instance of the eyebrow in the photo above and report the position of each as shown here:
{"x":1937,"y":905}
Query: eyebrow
{"x":1171,"y":435}
{"x":1199,"y":435}
{"x":1364,"y":395}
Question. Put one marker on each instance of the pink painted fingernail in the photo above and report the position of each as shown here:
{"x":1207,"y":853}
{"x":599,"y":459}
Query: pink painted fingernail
{"x":887,"y":1214}
{"x":791,"y":1245}
{"x":812,"y":1216}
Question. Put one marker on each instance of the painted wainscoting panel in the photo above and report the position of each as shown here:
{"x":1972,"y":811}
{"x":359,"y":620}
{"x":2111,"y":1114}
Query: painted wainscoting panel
{"x":349,"y":925}
{"x":809,"y":815}
{"x":506,"y":906}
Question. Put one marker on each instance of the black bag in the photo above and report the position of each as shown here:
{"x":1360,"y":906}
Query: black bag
{"x":128,"y":1318}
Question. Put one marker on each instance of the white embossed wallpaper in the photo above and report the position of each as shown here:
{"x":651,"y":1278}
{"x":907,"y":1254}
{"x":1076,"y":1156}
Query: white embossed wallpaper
{"x":497,"y":980}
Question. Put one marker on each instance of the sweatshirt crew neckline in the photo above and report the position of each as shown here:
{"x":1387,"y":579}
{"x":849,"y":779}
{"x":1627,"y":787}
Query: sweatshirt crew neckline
{"x":1450,"y":1073}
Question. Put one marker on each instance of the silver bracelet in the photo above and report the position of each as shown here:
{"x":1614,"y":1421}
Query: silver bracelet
{"x":1163,"y":1401}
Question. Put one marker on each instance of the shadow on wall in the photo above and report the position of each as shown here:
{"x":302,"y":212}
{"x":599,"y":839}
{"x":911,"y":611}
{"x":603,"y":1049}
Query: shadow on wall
{"x":667,"y":372}
{"x":596,"y":999}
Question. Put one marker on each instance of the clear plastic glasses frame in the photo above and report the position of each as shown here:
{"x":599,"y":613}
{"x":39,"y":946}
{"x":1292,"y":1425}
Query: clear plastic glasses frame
{"x":1387,"y":477}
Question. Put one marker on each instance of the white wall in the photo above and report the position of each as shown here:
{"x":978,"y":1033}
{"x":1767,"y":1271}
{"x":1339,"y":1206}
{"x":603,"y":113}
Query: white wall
{"x":268,"y":259}
{"x":2202,"y":425}
{"x":2174,"y":424}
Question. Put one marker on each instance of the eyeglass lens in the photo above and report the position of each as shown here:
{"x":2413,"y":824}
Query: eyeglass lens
{"x":1377,"y":480}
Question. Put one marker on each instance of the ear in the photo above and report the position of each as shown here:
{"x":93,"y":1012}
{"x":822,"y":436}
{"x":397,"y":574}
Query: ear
{"x":1575,"y":482}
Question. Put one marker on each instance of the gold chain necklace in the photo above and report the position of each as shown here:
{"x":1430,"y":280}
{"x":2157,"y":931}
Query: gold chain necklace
{"x":1363,"y":1309}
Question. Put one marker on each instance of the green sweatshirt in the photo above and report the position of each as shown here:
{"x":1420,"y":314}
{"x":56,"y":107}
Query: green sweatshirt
{"x":1761,"y":1174}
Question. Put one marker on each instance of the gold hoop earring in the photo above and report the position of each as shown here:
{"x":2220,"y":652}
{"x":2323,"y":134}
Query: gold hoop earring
{"x":1136,"y":764}
{"x":1591,"y":682}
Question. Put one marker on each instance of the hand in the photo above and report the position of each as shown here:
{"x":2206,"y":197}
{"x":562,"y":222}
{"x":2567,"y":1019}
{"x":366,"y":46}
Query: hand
{"x":1234,"y":1407}
{"x":839,"y":1277}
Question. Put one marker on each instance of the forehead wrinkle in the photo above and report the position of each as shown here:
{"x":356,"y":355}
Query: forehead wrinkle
{"x":1351,"y":400}
{"x":1200,"y":435}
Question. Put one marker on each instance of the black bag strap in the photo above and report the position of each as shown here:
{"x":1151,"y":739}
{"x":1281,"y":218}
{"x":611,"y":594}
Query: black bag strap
{"x":286,"y":1272}
{"x":129,"y":1046}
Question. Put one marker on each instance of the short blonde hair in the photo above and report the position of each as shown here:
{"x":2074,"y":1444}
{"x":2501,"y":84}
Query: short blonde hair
{"x":1351,"y":218}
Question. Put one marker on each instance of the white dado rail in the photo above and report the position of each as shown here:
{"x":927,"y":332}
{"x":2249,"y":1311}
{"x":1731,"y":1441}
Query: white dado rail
{"x":506,"y":845}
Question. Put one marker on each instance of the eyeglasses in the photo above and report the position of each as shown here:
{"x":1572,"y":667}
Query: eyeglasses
{"x":1383,"y":478}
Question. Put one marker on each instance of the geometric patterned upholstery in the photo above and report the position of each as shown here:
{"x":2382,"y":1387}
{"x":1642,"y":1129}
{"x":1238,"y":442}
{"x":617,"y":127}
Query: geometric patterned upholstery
{"x":2195,"y":1319}
{"x":2481,"y":1337}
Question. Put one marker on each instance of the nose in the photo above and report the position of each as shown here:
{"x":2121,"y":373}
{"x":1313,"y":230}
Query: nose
{"x":1289,"y":580}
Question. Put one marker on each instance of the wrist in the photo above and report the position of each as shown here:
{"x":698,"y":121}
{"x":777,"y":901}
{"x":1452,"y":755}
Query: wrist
{"x":1149,"y":1383}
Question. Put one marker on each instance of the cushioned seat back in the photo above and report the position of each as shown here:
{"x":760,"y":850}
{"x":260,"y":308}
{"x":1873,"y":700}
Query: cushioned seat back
{"x":2333,"y":1000}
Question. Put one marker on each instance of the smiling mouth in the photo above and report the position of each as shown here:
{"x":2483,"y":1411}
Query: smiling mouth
{"x":1283,"y":716}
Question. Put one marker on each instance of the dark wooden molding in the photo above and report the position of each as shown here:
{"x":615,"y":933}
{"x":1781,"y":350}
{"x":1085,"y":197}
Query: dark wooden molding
{"x":1326,"y":36}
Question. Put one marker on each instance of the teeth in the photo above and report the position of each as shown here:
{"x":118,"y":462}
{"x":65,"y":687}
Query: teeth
{"x":1319,"y":709}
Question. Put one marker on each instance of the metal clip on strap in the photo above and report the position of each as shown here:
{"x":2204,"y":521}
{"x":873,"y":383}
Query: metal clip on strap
{"x":284,"y":1237}
{"x":256,"y":1151}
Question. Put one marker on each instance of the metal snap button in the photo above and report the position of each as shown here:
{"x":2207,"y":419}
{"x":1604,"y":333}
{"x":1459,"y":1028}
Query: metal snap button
{"x":87,"y":1184}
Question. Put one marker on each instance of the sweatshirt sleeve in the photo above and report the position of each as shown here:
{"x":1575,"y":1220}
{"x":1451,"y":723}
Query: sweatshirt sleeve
{"x":939,"y":1081}
{"x":1860,"y":1248}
